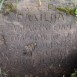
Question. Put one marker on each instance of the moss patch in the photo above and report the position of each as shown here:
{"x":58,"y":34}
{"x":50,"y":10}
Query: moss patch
{"x":70,"y":11}
{"x":9,"y":7}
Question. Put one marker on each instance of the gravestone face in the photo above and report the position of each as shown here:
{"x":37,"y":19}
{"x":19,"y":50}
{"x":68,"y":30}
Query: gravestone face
{"x":35,"y":40}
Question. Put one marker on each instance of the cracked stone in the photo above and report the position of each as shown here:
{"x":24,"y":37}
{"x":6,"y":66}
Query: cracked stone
{"x":1,"y":40}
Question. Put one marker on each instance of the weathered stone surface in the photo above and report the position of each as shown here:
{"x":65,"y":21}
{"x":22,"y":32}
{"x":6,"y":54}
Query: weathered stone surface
{"x":36,"y":40}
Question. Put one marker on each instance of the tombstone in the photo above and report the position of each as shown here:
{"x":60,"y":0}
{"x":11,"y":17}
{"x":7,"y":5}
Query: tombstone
{"x":38,"y":42}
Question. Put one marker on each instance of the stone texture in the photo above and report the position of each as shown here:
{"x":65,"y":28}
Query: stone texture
{"x":36,"y":40}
